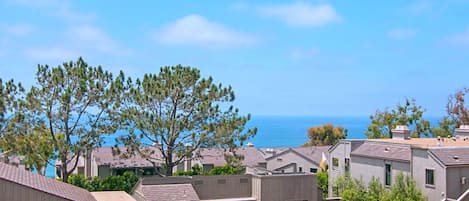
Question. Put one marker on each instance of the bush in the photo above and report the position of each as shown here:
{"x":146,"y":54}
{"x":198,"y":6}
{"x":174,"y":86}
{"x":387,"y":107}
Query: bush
{"x":323,"y":182}
{"x":77,"y":180}
{"x":403,"y":189}
{"x":126,"y":182}
{"x":226,"y":170}
{"x":195,"y":170}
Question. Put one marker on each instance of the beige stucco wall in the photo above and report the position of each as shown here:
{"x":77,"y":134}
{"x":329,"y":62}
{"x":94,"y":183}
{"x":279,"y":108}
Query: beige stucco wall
{"x":365,"y":168}
{"x":287,"y":158}
{"x":422,"y":161}
{"x":218,"y":187}
{"x":285,"y":187}
{"x":14,"y":192}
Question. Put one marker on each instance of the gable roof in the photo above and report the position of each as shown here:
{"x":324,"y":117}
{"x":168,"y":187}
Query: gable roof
{"x":164,"y":192}
{"x":104,"y":156}
{"x":215,"y":156}
{"x":312,"y":154}
{"x":382,"y":150}
{"x":44,"y":184}
{"x":452,"y":156}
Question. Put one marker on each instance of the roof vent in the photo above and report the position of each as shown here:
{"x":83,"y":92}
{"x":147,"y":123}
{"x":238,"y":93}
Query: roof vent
{"x":455,"y":157}
{"x":387,"y":149}
{"x":249,"y":144}
{"x":401,"y":132}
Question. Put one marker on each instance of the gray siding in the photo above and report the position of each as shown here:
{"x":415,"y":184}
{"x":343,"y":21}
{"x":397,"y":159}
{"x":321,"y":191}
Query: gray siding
{"x":341,"y":151}
{"x":365,"y":168}
{"x":453,"y":181}
{"x":15,"y":192}
{"x":279,"y":161}
{"x":421,"y":161}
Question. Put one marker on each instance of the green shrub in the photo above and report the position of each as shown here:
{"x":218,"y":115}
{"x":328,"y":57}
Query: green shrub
{"x":323,"y":182}
{"x":77,"y":180}
{"x":226,"y":170}
{"x":126,"y":182}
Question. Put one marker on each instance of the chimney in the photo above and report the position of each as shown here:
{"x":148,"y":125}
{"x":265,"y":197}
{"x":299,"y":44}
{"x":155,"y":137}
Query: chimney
{"x":249,"y":144}
{"x":401,"y":132}
{"x":462,"y":131}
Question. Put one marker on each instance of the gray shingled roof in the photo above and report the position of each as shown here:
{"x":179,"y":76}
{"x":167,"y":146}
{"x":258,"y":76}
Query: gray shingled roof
{"x":168,"y":192}
{"x":380,"y":150}
{"x":103,"y":156}
{"x":313,"y":153}
{"x":452,"y":156}
{"x":216,"y":157}
{"x":44,"y":184}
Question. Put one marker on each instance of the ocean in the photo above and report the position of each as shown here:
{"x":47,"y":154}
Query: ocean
{"x":287,"y":131}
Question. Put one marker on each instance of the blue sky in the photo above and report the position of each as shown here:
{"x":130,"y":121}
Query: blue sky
{"x":305,"y":58}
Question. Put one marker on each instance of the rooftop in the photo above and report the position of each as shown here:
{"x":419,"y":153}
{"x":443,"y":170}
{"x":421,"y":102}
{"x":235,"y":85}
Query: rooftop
{"x":380,"y":150}
{"x":452,"y":156}
{"x":44,"y":184}
{"x":112,"y":196}
{"x":428,"y":142}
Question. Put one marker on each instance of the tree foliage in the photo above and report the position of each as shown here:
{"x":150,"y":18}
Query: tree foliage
{"x":403,"y":189}
{"x":409,"y":113}
{"x":195,"y":170}
{"x":456,"y":107}
{"x":77,"y":103}
{"x":325,"y":135}
{"x":20,"y":133}
{"x":178,"y":111}
{"x":457,"y":114}
{"x":9,"y":92}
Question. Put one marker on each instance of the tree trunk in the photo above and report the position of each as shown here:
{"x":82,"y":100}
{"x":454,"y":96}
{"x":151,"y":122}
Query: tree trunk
{"x":64,"y":170}
{"x":169,"y":163}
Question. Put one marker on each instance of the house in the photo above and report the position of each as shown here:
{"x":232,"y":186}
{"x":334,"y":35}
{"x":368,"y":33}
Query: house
{"x":439,"y":166}
{"x":298,"y":159}
{"x":229,"y":187}
{"x":21,"y":185}
{"x":103,"y":163}
{"x":208,"y":158}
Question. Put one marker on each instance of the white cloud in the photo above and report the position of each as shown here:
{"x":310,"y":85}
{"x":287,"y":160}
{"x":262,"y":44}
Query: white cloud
{"x":59,"y":8}
{"x":401,"y":33}
{"x":418,"y":7}
{"x":51,"y":53}
{"x":299,"y":53}
{"x":91,"y":37}
{"x":197,"y":30}
{"x":459,"y":38}
{"x":17,"y":29}
{"x":302,"y":14}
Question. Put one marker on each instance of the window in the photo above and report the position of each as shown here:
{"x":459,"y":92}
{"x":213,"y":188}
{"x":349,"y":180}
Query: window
{"x":429,"y":177}
{"x":387,"y":175}
{"x":300,"y":169}
{"x":335,"y":162}
{"x":347,"y":164}
{"x":313,"y":170}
